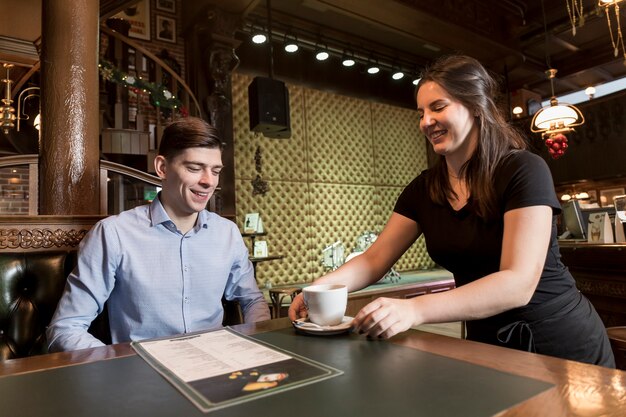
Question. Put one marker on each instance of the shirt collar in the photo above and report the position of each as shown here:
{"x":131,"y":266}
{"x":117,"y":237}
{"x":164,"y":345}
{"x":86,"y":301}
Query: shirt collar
{"x":158,"y":215}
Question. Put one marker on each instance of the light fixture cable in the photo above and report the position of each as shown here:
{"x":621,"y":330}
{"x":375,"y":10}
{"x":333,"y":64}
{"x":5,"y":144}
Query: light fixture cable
{"x":556,"y":119}
{"x":616,"y":41}
{"x":575,"y":13}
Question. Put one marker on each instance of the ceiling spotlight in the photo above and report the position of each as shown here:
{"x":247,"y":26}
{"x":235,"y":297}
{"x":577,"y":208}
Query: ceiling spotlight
{"x":347,"y":60}
{"x":291,"y":44}
{"x":590,"y":91}
{"x":259,"y":37}
{"x":416,"y":80}
{"x":372,"y":66}
{"x":397,"y":75}
{"x":321,"y":54}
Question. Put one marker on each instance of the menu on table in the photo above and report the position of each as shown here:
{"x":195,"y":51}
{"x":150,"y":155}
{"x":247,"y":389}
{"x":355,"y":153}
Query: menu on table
{"x":220,"y":368}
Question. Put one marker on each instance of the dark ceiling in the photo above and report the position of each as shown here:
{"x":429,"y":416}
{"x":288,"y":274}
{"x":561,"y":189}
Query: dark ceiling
{"x":506,"y":35}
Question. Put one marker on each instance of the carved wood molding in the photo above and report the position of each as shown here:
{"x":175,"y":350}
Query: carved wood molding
{"x":39,"y":233}
{"x":40,"y":238}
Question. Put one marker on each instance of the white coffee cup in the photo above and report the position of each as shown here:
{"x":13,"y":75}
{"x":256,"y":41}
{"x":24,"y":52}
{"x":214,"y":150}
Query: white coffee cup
{"x":326,"y":303}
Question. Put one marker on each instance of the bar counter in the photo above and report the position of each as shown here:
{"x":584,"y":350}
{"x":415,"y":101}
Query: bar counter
{"x":600,"y":274}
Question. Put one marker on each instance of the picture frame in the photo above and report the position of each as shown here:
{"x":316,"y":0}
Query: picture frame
{"x":139,"y":18}
{"x":260,"y":249}
{"x":166,"y":5}
{"x":165,"y":29}
{"x":253,"y":223}
{"x":606,"y":196}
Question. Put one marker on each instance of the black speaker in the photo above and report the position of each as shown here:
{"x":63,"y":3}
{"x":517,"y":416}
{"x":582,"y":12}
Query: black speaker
{"x":268,"y":103}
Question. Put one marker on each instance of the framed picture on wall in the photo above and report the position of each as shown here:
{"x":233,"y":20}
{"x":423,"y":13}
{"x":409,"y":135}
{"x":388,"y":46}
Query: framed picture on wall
{"x":166,"y":29}
{"x":166,"y":5}
{"x":606,"y":196}
{"x":139,"y":18}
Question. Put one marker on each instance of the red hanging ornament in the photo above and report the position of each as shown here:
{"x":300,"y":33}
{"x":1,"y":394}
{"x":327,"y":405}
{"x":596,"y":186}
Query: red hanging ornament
{"x":557,"y":144}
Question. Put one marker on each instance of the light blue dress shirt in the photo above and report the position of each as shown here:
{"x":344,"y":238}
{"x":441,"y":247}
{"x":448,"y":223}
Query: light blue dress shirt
{"x":157,"y":281}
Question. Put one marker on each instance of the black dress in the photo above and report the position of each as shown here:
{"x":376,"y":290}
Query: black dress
{"x":558,"y":320}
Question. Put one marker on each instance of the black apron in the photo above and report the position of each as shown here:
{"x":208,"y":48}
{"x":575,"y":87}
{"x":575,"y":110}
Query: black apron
{"x":567,"y":327}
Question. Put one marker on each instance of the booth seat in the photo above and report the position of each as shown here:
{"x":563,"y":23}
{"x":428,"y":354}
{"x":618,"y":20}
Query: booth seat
{"x":31,"y":285}
{"x":37,"y":253}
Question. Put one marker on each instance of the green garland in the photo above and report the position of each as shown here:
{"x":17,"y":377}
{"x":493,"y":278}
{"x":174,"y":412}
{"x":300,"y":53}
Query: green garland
{"x":160,"y":96}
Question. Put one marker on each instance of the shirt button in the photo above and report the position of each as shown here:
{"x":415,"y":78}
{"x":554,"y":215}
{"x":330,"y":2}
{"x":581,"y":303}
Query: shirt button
{"x":186,"y":300}
{"x":186,"y":268}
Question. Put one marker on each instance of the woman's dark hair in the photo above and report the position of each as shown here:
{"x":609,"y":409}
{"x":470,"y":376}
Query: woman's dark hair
{"x":467,"y":81}
{"x":188,"y":132}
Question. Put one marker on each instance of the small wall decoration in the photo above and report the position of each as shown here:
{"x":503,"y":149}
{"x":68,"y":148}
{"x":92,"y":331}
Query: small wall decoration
{"x":259,"y":185}
{"x":166,"y":29}
{"x":166,"y":5}
{"x":260,"y":249}
{"x":253,"y":223}
{"x":139,"y":18}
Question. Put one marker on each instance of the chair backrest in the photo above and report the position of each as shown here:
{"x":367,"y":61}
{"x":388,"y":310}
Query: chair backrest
{"x":31,"y":285}
{"x":37,"y":253}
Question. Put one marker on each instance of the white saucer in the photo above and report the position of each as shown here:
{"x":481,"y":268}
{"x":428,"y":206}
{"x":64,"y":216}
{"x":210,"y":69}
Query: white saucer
{"x":306,"y":326}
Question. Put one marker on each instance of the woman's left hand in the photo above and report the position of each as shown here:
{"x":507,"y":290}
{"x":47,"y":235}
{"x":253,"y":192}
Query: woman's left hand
{"x":385,"y":317}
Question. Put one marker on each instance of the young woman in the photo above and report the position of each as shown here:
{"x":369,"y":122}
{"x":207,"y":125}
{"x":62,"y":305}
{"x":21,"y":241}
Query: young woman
{"x":487,"y":210}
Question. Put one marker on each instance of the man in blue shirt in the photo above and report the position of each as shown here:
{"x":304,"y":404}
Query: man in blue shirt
{"x":162,"y":268}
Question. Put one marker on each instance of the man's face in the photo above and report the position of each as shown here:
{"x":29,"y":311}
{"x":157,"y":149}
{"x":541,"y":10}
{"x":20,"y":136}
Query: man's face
{"x":189,"y":180}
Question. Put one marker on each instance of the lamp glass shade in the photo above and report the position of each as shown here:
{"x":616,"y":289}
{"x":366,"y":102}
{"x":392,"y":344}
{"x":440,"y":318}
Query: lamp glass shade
{"x":555,"y":115}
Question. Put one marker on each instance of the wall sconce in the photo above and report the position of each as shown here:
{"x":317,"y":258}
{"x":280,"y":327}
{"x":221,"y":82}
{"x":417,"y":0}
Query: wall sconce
{"x":7,"y":112}
{"x":517,"y":111}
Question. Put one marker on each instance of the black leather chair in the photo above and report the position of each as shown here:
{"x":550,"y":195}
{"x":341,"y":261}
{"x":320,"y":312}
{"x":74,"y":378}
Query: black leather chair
{"x":31,"y":284}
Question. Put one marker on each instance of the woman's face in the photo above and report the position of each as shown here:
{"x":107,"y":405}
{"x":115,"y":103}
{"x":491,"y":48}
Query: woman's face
{"x":449,"y":126}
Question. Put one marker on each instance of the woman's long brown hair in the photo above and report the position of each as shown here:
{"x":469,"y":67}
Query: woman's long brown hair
{"x":467,"y":81}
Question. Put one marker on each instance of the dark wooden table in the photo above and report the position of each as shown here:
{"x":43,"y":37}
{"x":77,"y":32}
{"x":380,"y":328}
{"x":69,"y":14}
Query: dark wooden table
{"x":579,"y":389}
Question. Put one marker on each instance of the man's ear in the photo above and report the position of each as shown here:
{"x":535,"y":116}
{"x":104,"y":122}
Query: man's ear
{"x":160,"y":164}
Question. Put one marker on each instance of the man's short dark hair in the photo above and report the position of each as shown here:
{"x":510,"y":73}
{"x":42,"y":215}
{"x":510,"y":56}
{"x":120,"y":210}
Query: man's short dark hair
{"x":188,"y":132}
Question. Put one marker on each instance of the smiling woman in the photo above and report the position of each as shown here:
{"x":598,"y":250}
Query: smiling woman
{"x":487,"y":210}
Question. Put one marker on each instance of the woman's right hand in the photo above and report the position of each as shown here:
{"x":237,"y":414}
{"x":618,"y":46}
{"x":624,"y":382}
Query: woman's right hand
{"x":297,"y":309}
